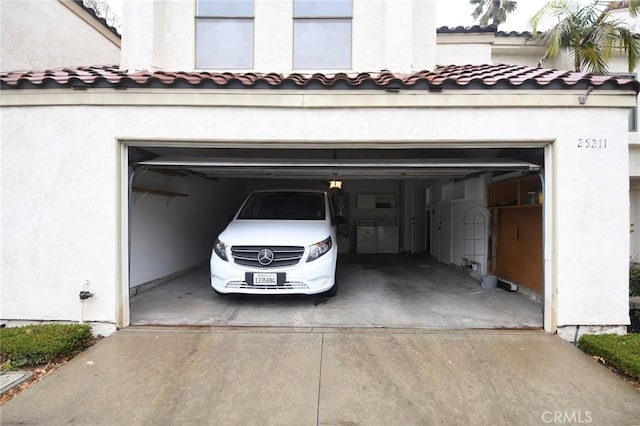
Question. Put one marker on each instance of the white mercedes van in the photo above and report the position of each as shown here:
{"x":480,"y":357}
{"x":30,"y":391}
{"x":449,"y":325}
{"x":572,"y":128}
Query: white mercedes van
{"x":279,"y":242}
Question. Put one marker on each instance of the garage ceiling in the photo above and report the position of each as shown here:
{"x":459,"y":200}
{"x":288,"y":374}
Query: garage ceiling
{"x":328,"y":169}
{"x":343,"y":163}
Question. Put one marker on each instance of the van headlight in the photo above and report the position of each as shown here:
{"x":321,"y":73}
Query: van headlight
{"x":318,"y":249}
{"x":220,"y":249}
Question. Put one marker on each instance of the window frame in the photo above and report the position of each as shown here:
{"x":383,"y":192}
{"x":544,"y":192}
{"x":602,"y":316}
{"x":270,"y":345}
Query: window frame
{"x":320,"y":17}
{"x":202,"y":17}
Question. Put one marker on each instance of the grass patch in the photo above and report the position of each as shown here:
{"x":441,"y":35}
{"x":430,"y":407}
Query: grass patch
{"x":620,"y":352}
{"x":39,"y":344}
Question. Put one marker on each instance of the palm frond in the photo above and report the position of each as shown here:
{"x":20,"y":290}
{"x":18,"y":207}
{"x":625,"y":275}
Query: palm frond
{"x":557,"y":10}
{"x":590,"y":33}
{"x":592,"y":60}
{"x":629,"y":43}
{"x":495,"y":11}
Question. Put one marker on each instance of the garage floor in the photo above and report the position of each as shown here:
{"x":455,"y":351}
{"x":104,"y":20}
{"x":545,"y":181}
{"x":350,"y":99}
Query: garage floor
{"x":400,"y":291}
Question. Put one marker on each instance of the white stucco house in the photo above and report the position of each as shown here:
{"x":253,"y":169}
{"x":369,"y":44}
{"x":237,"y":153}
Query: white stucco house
{"x":119,"y":166}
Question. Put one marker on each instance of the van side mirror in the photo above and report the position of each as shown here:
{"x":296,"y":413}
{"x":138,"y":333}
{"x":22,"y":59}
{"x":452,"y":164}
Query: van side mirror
{"x":338,"y":220}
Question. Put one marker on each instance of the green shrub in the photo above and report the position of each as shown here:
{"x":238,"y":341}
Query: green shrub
{"x":621,"y":352}
{"x":39,"y":344}
{"x":634,"y":281}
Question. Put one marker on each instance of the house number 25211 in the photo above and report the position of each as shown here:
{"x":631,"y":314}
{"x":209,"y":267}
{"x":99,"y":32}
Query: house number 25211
{"x":592,"y":143}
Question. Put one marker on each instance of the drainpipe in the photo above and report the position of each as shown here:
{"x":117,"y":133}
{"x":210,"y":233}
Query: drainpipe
{"x":575,"y":338}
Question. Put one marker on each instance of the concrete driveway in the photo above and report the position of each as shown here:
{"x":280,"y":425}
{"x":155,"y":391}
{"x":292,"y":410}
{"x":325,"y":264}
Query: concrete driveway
{"x":327,"y":377}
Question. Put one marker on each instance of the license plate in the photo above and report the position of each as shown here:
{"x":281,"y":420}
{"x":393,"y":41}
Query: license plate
{"x":265,"y":279}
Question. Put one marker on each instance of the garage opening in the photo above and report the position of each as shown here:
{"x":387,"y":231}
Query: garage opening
{"x":428,"y":234}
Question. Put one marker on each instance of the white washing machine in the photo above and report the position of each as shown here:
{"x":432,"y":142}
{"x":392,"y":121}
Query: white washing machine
{"x":367,"y":239}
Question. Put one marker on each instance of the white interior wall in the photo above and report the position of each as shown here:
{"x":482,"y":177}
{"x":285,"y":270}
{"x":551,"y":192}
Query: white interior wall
{"x":373,"y":186}
{"x":405,"y":213}
{"x":474,"y":202}
{"x":436,"y":198}
{"x":169,"y":234}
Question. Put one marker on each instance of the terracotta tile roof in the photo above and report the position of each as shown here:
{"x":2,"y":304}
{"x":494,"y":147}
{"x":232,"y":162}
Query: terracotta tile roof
{"x":477,"y":29}
{"x":526,"y":34}
{"x":452,"y":77}
{"x":467,"y":30}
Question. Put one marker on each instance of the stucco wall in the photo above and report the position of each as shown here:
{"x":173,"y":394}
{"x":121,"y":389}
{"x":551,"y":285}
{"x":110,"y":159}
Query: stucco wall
{"x":60,"y":221}
{"x":387,"y":34}
{"x":463,"y":54}
{"x":44,"y":34}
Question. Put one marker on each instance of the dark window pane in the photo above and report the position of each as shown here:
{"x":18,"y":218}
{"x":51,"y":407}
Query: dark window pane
{"x":284,"y":206}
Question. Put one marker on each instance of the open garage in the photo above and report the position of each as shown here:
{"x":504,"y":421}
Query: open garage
{"x":425,"y":227}
{"x":451,"y":159}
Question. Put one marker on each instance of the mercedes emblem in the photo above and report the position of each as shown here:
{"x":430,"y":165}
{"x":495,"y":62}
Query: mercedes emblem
{"x":265,"y":257}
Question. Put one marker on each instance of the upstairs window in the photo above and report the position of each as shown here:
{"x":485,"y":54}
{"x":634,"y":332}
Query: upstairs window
{"x":224,"y":34}
{"x":322,"y":34}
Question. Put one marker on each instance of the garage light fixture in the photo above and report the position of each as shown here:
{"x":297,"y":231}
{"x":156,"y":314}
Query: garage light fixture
{"x":335,"y":184}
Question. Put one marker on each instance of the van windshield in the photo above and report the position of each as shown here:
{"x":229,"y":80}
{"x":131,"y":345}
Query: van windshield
{"x":284,"y":206}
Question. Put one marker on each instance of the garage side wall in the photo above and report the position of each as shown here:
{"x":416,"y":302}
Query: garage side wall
{"x":170,"y":234}
{"x":60,"y":223}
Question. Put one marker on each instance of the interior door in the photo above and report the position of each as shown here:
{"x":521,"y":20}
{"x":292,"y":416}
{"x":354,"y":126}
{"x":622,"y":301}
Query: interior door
{"x":418,"y":243}
{"x":445,"y":230}
{"x":435,"y":229}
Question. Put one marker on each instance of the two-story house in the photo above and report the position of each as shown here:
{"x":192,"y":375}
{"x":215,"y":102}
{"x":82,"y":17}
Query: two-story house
{"x":122,"y":175}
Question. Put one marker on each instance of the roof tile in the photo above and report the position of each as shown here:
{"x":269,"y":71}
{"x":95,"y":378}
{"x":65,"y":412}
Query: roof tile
{"x":467,"y":30}
{"x":450,"y":77}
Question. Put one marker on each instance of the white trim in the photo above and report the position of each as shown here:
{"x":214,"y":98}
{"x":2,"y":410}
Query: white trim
{"x":549,"y":239}
{"x":466,"y":38}
{"x":332,"y":143}
{"x":123,"y":313}
{"x":97,"y":25}
{"x":122,"y":253}
{"x":318,"y":99}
